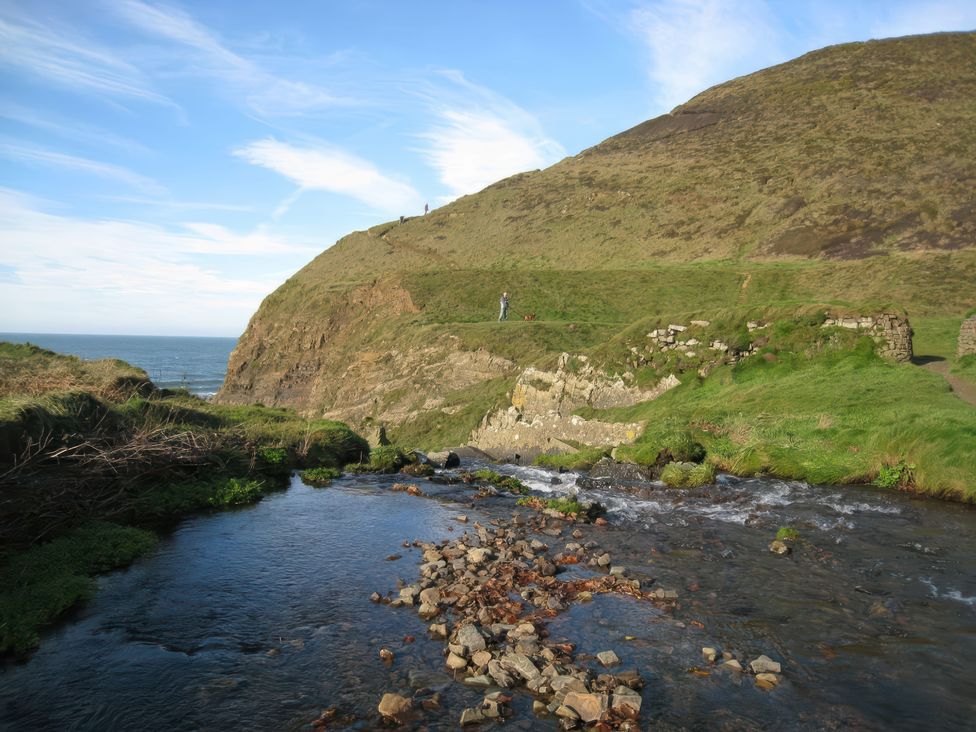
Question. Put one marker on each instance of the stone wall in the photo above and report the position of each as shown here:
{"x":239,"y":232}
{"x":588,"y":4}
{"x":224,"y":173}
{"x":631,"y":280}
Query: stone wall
{"x":893,"y":333}
{"x":967,"y":338}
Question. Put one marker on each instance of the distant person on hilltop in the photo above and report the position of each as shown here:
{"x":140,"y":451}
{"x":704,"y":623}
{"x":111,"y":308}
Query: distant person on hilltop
{"x":426,"y":208}
{"x":503,"y":304}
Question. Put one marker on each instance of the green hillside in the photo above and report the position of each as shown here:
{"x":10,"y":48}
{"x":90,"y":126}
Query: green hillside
{"x":841,"y":180}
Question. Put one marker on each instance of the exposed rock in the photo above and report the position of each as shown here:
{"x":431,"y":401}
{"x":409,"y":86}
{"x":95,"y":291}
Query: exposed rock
{"x":764,"y":664}
{"x":710,"y":654}
{"x":589,"y":707}
{"x":967,"y":338}
{"x":732,"y":664}
{"x":471,"y":716}
{"x":394,"y":706}
{"x":471,"y":638}
{"x":779,"y":547}
{"x":627,"y":700}
{"x":608,"y":468}
{"x":455,"y":662}
{"x":608,"y":658}
{"x":520,"y":664}
{"x":444,"y":459}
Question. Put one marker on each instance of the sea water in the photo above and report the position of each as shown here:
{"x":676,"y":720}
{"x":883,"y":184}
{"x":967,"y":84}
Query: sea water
{"x":195,"y":363}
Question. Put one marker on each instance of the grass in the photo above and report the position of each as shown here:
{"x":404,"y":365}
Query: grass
{"x":319,"y":477}
{"x":687,"y":475}
{"x":38,"y":585}
{"x":583,"y":459}
{"x":505,"y":482}
{"x":785,"y":533}
{"x":836,"y":417}
{"x":175,"y":500}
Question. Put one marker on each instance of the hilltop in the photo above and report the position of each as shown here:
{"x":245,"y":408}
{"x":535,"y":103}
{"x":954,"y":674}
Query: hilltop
{"x":840,"y":182}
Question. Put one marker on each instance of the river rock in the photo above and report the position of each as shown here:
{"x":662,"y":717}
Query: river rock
{"x":520,"y":664}
{"x":480,"y":680}
{"x":605,"y":468}
{"x":764,"y":664}
{"x":626,"y":700}
{"x":428,"y":611}
{"x":478,"y":555}
{"x":709,"y":654}
{"x":608,"y":658}
{"x":471,"y":716}
{"x":499,"y":675}
{"x":767,"y":681}
{"x":438,"y":630}
{"x":603,"y":560}
{"x":444,"y":459}
{"x":395,"y":707}
{"x":589,"y":707}
{"x":732,"y":664}
{"x":779,"y":547}
{"x":471,"y":638}
{"x":456,"y":662}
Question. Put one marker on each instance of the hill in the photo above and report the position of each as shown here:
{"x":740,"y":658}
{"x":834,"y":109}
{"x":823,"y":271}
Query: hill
{"x":840,"y":180}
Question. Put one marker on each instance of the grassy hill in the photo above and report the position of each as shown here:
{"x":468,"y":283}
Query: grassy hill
{"x":842,"y":179}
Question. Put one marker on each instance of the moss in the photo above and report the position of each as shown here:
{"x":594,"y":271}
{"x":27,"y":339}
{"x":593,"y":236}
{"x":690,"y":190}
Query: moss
{"x":505,"y":482}
{"x":786,"y":533}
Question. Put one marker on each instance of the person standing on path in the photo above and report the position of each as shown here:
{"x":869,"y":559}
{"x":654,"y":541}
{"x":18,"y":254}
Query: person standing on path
{"x":503,"y":305}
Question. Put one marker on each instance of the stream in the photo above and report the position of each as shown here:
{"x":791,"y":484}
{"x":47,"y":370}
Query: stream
{"x":259,"y":618}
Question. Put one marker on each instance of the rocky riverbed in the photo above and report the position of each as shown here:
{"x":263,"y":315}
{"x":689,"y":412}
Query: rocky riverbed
{"x":356,"y":606}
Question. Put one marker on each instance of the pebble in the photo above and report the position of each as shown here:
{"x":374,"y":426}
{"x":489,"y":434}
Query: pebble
{"x":709,"y":654}
{"x":764,"y":664}
{"x":608,"y":658}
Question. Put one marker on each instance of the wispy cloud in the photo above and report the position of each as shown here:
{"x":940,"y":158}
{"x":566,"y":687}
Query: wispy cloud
{"x":70,"y":130}
{"x":694,"y":44}
{"x":117,"y":269}
{"x":326,"y":168}
{"x":60,"y":55}
{"x":178,"y":205}
{"x":480,"y":137}
{"x":265,"y":93}
{"x":35,"y":155}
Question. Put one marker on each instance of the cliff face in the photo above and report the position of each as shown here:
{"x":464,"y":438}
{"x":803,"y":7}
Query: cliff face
{"x":843,"y":176}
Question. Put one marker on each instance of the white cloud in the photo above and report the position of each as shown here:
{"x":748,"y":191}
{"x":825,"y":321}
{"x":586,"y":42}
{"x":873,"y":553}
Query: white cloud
{"x":265,"y":93}
{"x":481,"y":137}
{"x":67,"y":269}
{"x":31,"y":154}
{"x":326,"y":168}
{"x":60,"y":55}
{"x":695,"y":44}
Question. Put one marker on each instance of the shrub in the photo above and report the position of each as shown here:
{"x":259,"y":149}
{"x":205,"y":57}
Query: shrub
{"x":319,"y":477}
{"x":688,"y":475}
{"x":386,"y":459}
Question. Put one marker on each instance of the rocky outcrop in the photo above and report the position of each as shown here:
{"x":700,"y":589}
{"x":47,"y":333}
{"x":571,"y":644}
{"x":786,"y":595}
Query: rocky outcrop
{"x":892,"y":332}
{"x":967,"y":338}
{"x":541,"y":416}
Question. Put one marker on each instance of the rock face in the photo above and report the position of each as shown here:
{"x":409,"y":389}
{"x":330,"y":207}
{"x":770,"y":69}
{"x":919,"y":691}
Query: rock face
{"x":541,"y":415}
{"x":967,"y":338}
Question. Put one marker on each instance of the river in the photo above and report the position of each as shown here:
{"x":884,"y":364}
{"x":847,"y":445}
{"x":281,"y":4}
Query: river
{"x":259,"y":618}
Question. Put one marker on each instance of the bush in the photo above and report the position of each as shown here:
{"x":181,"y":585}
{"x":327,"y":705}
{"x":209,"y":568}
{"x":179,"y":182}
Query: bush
{"x":319,"y":477}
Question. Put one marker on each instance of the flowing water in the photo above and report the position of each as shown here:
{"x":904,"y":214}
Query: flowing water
{"x":259,"y":618}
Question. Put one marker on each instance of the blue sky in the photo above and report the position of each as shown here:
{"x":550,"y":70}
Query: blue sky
{"x":166,"y":165}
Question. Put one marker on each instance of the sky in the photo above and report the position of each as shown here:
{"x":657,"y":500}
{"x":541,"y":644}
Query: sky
{"x":164,"y":166}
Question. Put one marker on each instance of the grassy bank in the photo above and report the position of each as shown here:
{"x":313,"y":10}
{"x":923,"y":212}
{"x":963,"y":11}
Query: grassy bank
{"x":838,"y":417}
{"x":94,"y":460}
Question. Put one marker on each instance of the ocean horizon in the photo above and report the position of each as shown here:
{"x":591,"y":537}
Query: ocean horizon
{"x":196,"y":363}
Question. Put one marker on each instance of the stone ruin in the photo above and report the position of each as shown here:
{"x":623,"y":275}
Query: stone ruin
{"x":967,"y":338}
{"x":893,"y":333}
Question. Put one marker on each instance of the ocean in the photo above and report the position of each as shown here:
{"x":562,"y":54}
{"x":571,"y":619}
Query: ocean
{"x":197,"y":364}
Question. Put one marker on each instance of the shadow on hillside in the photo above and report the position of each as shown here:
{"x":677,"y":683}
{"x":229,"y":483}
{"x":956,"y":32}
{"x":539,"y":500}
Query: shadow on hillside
{"x":922,"y":360}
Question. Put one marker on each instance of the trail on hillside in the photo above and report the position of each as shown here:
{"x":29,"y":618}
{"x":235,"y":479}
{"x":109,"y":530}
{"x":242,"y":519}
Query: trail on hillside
{"x":962,"y":389}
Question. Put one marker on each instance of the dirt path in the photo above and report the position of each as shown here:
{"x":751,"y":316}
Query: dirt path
{"x":962,"y":389}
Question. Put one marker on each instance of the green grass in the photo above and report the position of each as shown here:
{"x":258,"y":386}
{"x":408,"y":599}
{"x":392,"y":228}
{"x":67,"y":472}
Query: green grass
{"x":319,"y":477}
{"x":687,"y":475}
{"x":583,"y":459}
{"x":505,"y":482}
{"x":838,"y":417}
{"x":175,"y":500}
{"x":965,"y":368}
{"x":785,"y":533}
{"x":451,"y":424}
{"x":38,"y":585}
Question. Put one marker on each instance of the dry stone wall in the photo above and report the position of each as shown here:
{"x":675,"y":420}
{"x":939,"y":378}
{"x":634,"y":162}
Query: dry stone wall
{"x":967,"y":338}
{"x":893,"y":333}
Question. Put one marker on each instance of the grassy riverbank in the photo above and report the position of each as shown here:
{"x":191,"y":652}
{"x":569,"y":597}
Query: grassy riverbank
{"x":839,"y":417}
{"x":94,"y":461}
